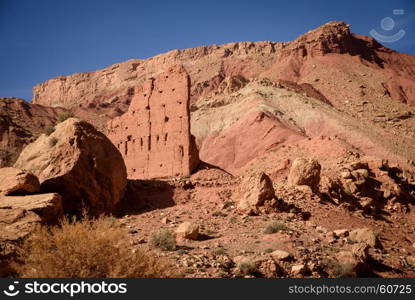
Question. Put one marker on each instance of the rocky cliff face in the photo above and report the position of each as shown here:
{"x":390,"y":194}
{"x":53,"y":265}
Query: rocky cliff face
{"x":330,"y":47}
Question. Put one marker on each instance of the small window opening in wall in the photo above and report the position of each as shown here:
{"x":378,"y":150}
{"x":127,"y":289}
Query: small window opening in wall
{"x":161,"y":92}
{"x":134,"y":170}
{"x":167,"y":76}
{"x":158,"y":138}
{"x":173,"y":90}
{"x":130,"y":91}
{"x":166,"y":119}
{"x":180,"y":102}
{"x":149,"y":143}
{"x":148,"y":107}
{"x":141,"y":142}
{"x":129,"y":137}
{"x":161,"y":165}
{"x":145,"y":95}
{"x":164,"y":105}
{"x":165,"y":137}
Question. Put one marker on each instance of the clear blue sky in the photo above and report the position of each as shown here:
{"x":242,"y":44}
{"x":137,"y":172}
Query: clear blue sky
{"x":43,"y":39}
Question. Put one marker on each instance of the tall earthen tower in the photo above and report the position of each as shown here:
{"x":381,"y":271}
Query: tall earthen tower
{"x":154,"y":136}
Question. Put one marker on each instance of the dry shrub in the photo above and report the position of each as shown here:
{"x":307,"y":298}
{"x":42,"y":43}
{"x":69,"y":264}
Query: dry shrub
{"x":247,"y":268}
{"x":49,"y":130}
{"x":164,"y":240}
{"x":275,"y":226}
{"x":87,"y":248}
{"x":64,"y":116}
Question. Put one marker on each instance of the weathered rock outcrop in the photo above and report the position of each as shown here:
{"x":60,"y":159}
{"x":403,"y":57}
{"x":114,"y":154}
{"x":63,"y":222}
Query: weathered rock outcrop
{"x":305,"y":172}
{"x":80,"y":163}
{"x":20,"y":124}
{"x":154,"y":135}
{"x":371,"y":184}
{"x":188,"y":230}
{"x":15,"y":181}
{"x":20,"y":215}
{"x":255,"y":190}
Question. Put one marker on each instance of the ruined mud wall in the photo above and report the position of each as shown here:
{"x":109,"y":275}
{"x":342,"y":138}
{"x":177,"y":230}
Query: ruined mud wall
{"x":154,"y":134}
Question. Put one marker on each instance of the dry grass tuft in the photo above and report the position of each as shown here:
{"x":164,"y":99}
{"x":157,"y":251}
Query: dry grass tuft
{"x":87,"y":248}
{"x":275,"y":226}
{"x":64,"y":116}
{"x":164,"y":240}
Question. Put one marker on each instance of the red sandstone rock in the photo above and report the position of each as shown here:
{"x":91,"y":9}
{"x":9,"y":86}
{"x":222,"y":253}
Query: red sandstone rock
{"x":255,"y":190}
{"x":188,"y":230}
{"x":154,"y":135}
{"x":15,"y":181}
{"x":80,"y":163}
{"x":305,"y":172}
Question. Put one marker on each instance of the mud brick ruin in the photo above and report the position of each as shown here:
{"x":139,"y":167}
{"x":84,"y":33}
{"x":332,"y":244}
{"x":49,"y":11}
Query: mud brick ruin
{"x":153,"y":136}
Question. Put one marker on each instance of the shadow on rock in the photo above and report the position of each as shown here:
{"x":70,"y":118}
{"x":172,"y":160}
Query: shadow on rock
{"x":146,"y":195}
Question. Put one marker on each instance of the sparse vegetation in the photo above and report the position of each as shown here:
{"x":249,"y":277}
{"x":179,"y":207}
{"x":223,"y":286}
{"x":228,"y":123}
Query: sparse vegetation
{"x":87,"y":248}
{"x":218,"y":214}
{"x":268,"y":250}
{"x":246,"y":268}
{"x":227,"y":204}
{"x":275,"y":226}
{"x":52,"y":141}
{"x":219,"y":251}
{"x":233,"y":220}
{"x":49,"y":130}
{"x":340,"y":270}
{"x":181,"y":251}
{"x":164,"y":239}
{"x":64,"y":116}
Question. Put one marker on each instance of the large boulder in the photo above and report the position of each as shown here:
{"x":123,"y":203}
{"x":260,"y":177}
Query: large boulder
{"x":19,"y":216}
{"x":188,"y":230}
{"x":80,"y":163}
{"x":255,"y":190}
{"x":17,"y":182}
{"x":305,"y":172}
